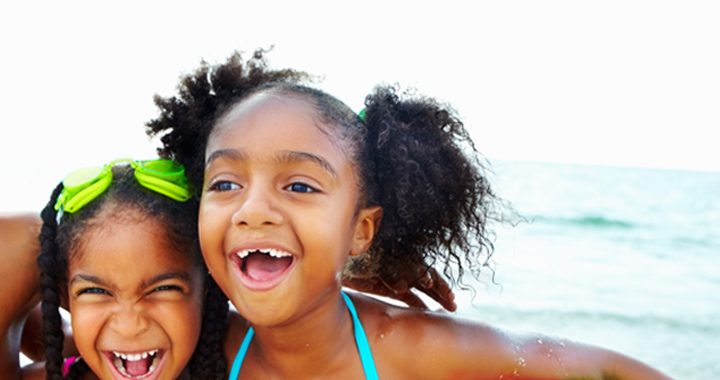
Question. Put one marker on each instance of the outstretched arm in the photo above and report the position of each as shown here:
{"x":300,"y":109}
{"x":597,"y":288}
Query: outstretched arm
{"x":571,"y":360}
{"x":19,"y":292}
{"x":470,"y":350}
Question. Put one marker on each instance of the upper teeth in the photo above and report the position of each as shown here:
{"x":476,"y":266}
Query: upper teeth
{"x":269,"y":251}
{"x":134,"y":357}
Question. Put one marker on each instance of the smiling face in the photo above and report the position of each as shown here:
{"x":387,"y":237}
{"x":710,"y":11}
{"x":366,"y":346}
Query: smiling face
{"x":135,"y":301}
{"x":278,"y":214}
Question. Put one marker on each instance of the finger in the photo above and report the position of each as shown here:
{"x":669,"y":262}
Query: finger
{"x":361,"y":284}
{"x":412,"y":300}
{"x":440,"y":285}
{"x":441,"y":291}
{"x":426,"y":279}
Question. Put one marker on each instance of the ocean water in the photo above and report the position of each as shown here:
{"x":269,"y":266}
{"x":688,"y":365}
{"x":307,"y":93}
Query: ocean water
{"x":624,"y":258}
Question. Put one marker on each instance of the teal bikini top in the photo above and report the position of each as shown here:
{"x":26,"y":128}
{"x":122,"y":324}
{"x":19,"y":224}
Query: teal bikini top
{"x":360,"y":340}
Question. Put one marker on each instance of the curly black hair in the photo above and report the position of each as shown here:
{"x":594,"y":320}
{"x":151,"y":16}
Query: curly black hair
{"x":60,"y":242}
{"x":414,"y":156}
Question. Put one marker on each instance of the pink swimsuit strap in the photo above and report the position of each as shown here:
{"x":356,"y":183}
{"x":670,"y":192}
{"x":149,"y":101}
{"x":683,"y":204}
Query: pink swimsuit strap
{"x":67,"y":363}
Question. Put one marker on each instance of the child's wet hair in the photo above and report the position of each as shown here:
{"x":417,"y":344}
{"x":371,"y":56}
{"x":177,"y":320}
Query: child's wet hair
{"x":413,"y":155}
{"x":60,"y":242}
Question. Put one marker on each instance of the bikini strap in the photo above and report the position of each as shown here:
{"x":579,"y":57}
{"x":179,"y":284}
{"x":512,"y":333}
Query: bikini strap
{"x":361,"y":341}
{"x":67,"y":364}
{"x":240,"y":356}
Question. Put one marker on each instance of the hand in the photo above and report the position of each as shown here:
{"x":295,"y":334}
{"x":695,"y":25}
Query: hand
{"x":429,"y":283}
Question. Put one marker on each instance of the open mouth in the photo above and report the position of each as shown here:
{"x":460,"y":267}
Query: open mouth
{"x":140,"y":365}
{"x":263,"y":268}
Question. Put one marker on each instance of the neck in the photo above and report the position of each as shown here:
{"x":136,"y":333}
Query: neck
{"x":324,"y":335}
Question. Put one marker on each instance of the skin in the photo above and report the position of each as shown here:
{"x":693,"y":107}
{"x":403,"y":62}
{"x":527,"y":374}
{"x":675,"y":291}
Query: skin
{"x":157,"y":305}
{"x":277,"y":178}
{"x":21,"y":323}
{"x":19,"y":293}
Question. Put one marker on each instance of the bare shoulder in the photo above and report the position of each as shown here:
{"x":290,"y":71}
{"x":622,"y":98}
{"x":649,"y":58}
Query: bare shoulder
{"x":19,"y":240}
{"x":18,"y":269}
{"x":411,"y":343}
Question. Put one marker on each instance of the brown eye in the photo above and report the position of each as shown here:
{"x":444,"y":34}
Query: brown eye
{"x":222,"y":186}
{"x":92,"y":291}
{"x":299,"y":187}
{"x":167,"y":288}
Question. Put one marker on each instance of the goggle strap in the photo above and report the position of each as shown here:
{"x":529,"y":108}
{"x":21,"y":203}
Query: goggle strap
{"x":170,"y":182}
{"x":171,"y":190}
{"x":161,"y":168}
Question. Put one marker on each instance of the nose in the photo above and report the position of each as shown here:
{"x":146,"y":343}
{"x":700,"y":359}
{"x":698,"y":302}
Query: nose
{"x":258,"y":208}
{"x":129,"y":320}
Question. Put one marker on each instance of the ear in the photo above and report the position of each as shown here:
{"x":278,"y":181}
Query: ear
{"x":366,"y":226}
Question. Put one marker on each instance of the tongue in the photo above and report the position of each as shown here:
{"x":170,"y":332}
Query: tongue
{"x":138,"y":367}
{"x":262,"y":267}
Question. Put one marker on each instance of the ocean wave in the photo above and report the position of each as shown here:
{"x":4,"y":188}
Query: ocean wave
{"x":592,"y":221}
{"x":707,"y":324}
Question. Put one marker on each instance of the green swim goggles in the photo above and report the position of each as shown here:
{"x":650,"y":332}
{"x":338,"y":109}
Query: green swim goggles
{"x":162,"y":176}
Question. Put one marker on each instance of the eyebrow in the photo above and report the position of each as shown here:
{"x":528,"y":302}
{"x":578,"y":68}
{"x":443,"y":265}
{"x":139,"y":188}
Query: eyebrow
{"x":294,"y":156}
{"x":89,"y":278}
{"x":231,"y":154}
{"x":154,"y":280}
{"x":166,"y":276}
{"x":287,"y":156}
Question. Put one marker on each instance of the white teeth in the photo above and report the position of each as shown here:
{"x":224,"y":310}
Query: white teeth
{"x":134,"y":357}
{"x":276,"y":253}
{"x":268,"y":251}
{"x":120,"y":365}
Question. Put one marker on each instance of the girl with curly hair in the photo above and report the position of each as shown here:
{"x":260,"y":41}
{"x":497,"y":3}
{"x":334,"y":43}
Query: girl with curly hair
{"x":298,"y":192}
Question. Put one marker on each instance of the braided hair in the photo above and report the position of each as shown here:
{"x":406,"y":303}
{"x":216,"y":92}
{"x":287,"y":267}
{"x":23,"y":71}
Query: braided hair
{"x":59,"y":242}
{"x":413,"y":155}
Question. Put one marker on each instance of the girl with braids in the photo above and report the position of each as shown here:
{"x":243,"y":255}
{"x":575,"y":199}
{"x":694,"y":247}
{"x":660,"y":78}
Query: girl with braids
{"x":118,"y":249}
{"x":298,"y":190}
{"x":164,"y":233}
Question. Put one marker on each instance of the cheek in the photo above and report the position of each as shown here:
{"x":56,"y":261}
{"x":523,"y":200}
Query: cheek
{"x":187,"y":330}
{"x":182,"y":323}
{"x":211,"y":227}
{"x":86,"y":322}
{"x":335,"y":226}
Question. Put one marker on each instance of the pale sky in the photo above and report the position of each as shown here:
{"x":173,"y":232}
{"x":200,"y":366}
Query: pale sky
{"x":632,"y":83}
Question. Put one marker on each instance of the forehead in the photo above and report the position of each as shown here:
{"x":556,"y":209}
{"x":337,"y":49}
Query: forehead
{"x":270,"y":107}
{"x":283,"y":121}
{"x":128,"y":241}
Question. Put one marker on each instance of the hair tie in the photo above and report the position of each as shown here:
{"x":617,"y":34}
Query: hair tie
{"x":361,"y":115}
